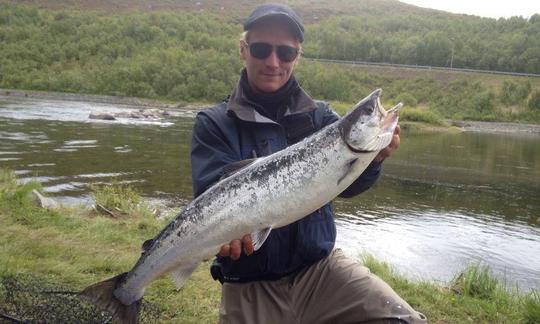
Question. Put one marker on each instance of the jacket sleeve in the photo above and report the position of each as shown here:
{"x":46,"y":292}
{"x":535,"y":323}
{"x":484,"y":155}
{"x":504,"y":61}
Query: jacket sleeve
{"x":210,"y":152}
{"x":368,"y":177}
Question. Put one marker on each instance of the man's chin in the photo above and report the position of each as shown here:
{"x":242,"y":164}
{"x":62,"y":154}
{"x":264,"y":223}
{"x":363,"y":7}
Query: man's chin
{"x":269,"y":87}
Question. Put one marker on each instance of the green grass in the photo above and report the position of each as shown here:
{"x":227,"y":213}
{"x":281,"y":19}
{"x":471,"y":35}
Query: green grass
{"x":119,"y":200}
{"x":421,"y":115}
{"x":74,"y":248}
{"x":476,"y":281}
{"x":486,"y":300}
{"x":532,"y":308}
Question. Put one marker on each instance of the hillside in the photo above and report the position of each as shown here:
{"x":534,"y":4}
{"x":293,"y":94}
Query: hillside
{"x":310,"y":10}
{"x":187,"y":51}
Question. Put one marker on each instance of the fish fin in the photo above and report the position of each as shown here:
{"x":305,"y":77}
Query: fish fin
{"x":180,"y":274}
{"x":379,"y":143}
{"x":102,"y":294}
{"x":234,"y":167}
{"x":259,"y":237}
{"x":348,"y":169}
{"x":147,"y":245}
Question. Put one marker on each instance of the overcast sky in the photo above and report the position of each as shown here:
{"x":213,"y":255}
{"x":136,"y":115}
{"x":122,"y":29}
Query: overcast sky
{"x":484,"y":8}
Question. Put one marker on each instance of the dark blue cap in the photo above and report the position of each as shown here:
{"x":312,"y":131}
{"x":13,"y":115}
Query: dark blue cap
{"x":277,"y":10}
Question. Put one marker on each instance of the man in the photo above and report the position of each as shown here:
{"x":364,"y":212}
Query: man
{"x":296,"y":276}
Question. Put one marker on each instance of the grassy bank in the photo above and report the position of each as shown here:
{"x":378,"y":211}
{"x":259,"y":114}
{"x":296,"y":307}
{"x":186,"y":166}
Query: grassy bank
{"x":75,"y":247}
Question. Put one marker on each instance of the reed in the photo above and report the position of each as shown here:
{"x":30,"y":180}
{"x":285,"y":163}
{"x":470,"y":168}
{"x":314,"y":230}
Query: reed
{"x":476,"y":281}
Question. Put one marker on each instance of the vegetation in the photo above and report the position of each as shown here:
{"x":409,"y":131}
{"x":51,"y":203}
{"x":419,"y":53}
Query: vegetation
{"x":71,"y":249}
{"x":192,"y":55}
{"x":532,"y":308}
{"x":118,"y":199}
{"x":437,"y":95}
{"x":476,"y":281}
{"x":484,"y":301}
{"x":439,"y":39}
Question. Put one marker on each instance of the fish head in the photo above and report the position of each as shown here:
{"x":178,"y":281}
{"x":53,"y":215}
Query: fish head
{"x":368,"y":127}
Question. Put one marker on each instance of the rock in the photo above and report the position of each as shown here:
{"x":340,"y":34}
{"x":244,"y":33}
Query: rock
{"x":43,"y":201}
{"x":144,"y":114}
{"x":102,"y":116}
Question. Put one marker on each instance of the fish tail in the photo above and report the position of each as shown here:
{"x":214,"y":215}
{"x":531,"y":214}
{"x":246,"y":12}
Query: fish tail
{"x":102,"y":294}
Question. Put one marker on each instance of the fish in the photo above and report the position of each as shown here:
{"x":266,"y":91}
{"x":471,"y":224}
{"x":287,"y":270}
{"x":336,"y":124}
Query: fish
{"x":255,"y":196}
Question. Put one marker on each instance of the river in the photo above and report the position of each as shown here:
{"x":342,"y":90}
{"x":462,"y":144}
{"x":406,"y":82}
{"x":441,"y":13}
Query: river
{"x":444,"y":201}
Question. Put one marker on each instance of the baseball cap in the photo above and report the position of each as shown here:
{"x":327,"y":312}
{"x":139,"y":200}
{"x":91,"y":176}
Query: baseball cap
{"x":268,"y":10}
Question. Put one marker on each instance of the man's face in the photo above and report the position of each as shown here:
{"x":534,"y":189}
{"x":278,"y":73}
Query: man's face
{"x":269,"y":74}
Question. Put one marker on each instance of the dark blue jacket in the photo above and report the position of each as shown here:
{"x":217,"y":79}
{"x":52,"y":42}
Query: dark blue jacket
{"x":234,"y":131}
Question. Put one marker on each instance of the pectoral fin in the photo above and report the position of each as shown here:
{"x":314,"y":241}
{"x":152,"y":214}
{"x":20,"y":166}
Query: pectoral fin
{"x":259,"y":237}
{"x":182,"y":273}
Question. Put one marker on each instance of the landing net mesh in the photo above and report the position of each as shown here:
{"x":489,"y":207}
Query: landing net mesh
{"x":27,"y":299}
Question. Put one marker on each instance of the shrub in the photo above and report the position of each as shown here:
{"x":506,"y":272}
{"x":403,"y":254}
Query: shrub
{"x":534,"y":101}
{"x":513,"y":93}
{"x":407,"y":99}
{"x":116,"y":199}
{"x":8,"y":181}
{"x":420,"y":115}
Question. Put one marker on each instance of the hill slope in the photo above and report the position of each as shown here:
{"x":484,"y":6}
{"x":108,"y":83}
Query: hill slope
{"x":187,"y":50}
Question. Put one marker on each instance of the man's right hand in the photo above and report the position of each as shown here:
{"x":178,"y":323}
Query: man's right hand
{"x":235,"y":247}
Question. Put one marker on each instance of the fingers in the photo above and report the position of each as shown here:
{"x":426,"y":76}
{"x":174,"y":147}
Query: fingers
{"x":394,"y":144}
{"x":397,"y":130}
{"x":225,"y":250}
{"x":234,"y":248}
{"x":248,"y":244}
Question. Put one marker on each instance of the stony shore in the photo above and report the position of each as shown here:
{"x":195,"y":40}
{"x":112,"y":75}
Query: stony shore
{"x":468,"y":126}
{"x":497,"y":127}
{"x":117,"y":100}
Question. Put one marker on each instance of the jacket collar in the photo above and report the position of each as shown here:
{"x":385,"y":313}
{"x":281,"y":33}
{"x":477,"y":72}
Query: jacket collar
{"x":243,"y":108}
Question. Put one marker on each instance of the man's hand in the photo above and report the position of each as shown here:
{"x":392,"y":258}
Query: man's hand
{"x":394,"y":144}
{"x":234,"y":248}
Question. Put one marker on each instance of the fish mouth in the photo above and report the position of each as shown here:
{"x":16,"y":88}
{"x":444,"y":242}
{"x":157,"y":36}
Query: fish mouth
{"x":390,"y":118}
{"x":387,"y":125}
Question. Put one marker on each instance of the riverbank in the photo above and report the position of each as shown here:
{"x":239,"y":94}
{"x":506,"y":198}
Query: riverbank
{"x":115,"y":100}
{"x":449,"y":126}
{"x":497,"y":127}
{"x":73,"y":247}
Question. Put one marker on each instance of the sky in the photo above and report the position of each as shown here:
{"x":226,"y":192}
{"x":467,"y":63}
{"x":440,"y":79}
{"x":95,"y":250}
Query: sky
{"x":484,"y":8}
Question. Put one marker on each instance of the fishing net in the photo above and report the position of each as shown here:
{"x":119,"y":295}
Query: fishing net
{"x":27,"y":299}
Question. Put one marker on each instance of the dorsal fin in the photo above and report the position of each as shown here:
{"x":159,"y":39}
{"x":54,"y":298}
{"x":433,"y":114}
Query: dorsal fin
{"x":234,"y":167}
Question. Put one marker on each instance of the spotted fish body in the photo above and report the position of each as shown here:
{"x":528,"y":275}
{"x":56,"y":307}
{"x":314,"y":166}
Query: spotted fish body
{"x":270,"y":192}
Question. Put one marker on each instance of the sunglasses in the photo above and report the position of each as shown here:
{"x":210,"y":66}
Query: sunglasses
{"x":262,"y":51}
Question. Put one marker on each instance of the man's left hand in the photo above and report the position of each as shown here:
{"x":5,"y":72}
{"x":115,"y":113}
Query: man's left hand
{"x":394,"y":144}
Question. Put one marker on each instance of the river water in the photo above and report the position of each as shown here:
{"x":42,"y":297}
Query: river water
{"x":444,"y":201}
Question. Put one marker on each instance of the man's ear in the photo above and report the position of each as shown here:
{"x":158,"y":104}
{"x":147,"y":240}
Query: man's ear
{"x":243,"y":51}
{"x":297,"y":60}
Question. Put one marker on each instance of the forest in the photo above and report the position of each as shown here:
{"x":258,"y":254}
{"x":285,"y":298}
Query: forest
{"x":192,"y":56}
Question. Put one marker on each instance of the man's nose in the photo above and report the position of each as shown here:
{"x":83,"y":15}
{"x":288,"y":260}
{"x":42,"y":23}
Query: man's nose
{"x":273,"y":59}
